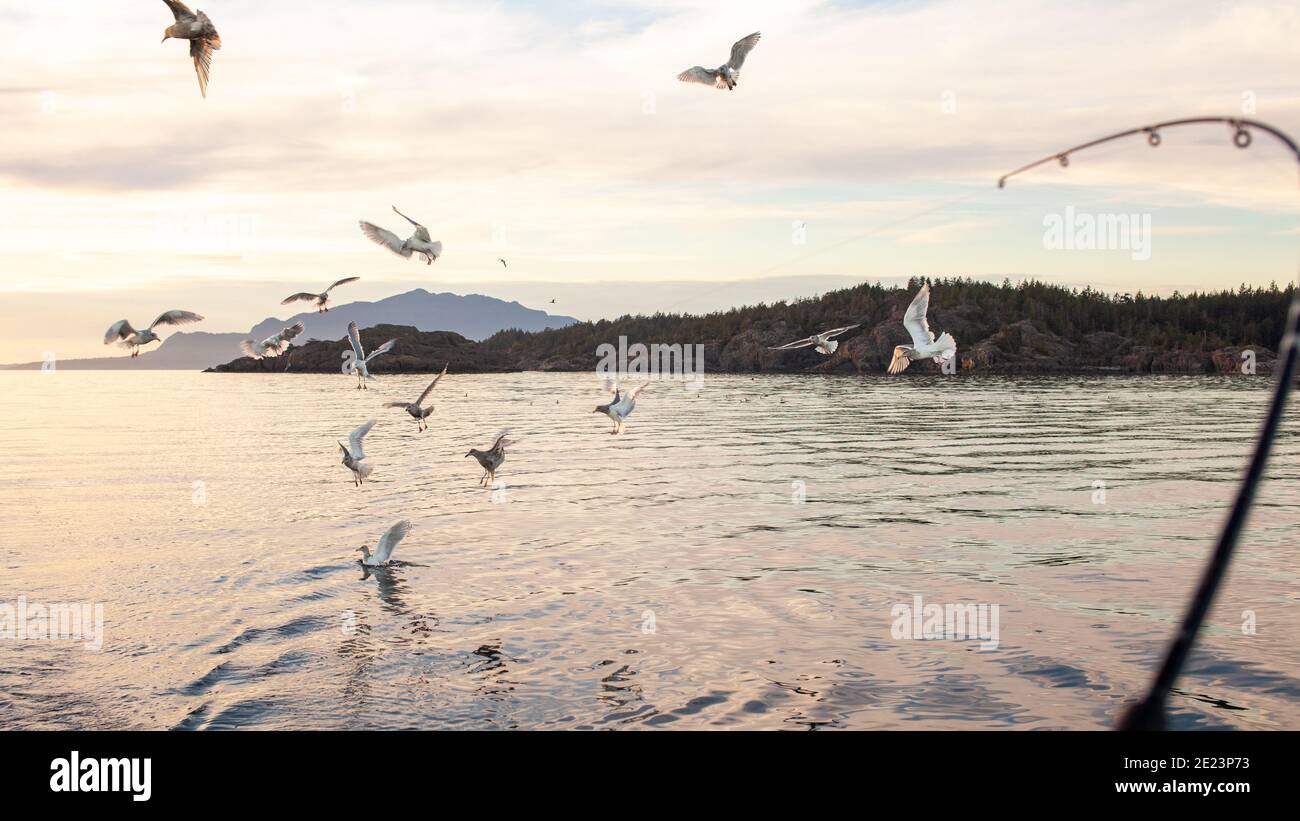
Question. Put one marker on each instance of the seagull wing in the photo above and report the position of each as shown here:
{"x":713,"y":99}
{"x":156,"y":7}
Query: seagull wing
{"x":402,"y":405}
{"x":419,"y":402}
{"x":178,"y":9}
{"x":900,"y":362}
{"x":175,"y":318}
{"x":637,"y":390}
{"x":382,"y":349}
{"x":355,"y":438}
{"x":914,"y":320}
{"x":354,"y":339}
{"x":201,"y":53}
{"x":301,"y":297}
{"x":698,"y":74}
{"x":740,"y":50}
{"x":385,"y":238}
{"x":421,"y":233}
{"x":119,"y":330}
{"x":838,"y":331}
{"x":343,"y":281}
{"x":249,"y":347}
{"x":291,"y":331}
{"x":802,"y":343}
{"x":390,"y":539}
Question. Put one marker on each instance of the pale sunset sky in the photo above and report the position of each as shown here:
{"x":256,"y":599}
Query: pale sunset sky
{"x":555,"y":135}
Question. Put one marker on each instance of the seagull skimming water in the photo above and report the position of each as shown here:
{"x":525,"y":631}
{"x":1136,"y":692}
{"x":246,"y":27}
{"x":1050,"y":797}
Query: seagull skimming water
{"x":354,"y":454}
{"x":491,"y":458}
{"x":824,"y":342}
{"x":924,"y":345}
{"x":122,"y":333}
{"x":418,"y":243}
{"x":198,"y":29}
{"x":321,"y":300}
{"x":273,"y":345}
{"x":621,"y":407}
{"x":420,"y":414}
{"x":726,"y":75}
{"x":360,"y":363}
{"x":387,"y":542}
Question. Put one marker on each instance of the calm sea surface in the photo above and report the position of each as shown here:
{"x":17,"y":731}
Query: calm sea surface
{"x":732,"y":560}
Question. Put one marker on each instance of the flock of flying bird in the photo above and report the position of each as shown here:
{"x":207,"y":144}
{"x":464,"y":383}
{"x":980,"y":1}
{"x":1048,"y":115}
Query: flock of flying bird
{"x":197,"y":28}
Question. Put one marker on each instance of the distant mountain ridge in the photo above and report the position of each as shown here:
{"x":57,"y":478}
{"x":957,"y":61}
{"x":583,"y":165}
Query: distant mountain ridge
{"x":472,"y":316}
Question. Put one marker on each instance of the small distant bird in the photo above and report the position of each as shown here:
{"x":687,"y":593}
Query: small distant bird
{"x":503,"y":263}
{"x":418,"y":243}
{"x":387,"y":542}
{"x":491,"y":458}
{"x":360,"y":363}
{"x":420,"y":414}
{"x":552,"y":302}
{"x":354,"y":454}
{"x":122,"y":333}
{"x":273,"y":345}
{"x":924,"y":345}
{"x":621,"y":407}
{"x":823,"y":342}
{"x":321,"y":300}
{"x":726,"y":75}
{"x":198,"y":29}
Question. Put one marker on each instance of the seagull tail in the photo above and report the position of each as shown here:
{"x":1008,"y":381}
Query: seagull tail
{"x":833,"y":345}
{"x":947,"y":348}
{"x":364,"y":469}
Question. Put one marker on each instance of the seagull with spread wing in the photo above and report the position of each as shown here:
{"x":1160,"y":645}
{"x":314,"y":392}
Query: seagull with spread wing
{"x":924,"y":345}
{"x":359,"y":363}
{"x":354,"y":454}
{"x":387,"y":542}
{"x":321,"y":300}
{"x":418,"y":243}
{"x":621,"y":407}
{"x":726,"y":75}
{"x":198,"y":29}
{"x":491,"y":458}
{"x":123,"y":334}
{"x":415,"y":409}
{"x":273,"y":345}
{"x":824,"y":342}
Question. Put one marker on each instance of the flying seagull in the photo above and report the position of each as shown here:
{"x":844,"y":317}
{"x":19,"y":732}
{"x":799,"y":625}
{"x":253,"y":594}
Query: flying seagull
{"x":322,"y":299}
{"x":273,"y":345}
{"x":384,"y":552}
{"x":354,"y":454}
{"x":122,"y":333}
{"x":419,"y":243}
{"x":503,"y":263}
{"x":621,"y":407}
{"x":726,"y":75}
{"x":360,"y":363}
{"x":420,"y":414}
{"x":491,"y":458}
{"x":824,"y":342}
{"x":924,"y":345}
{"x":198,"y":29}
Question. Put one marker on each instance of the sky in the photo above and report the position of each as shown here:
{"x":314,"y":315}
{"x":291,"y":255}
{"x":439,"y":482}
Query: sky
{"x":863,"y":144}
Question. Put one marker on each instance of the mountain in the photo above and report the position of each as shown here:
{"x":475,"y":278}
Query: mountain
{"x":473,"y":316}
{"x":1025,"y":328}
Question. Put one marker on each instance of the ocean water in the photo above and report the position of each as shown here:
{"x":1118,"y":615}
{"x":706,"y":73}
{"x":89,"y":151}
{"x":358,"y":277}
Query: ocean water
{"x":735,"y":559}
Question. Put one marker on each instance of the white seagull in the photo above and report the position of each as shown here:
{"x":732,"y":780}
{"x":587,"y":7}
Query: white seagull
{"x":198,"y":29}
{"x":273,"y":345}
{"x":420,"y":414}
{"x":384,"y":552}
{"x":491,"y":458}
{"x":621,"y":407}
{"x":122,"y":333}
{"x":824,"y":342}
{"x":726,"y":75}
{"x":360,"y":363}
{"x":354,"y":454}
{"x":924,"y":345}
{"x":321,"y":300}
{"x":418,"y":243}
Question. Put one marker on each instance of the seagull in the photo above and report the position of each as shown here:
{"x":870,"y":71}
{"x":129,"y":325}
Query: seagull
{"x":384,"y":552}
{"x":273,"y":345}
{"x":360,"y":363}
{"x":492,"y":458}
{"x":503,"y":263}
{"x":122,"y":333}
{"x":420,"y":242}
{"x":420,"y":414}
{"x":198,"y":29}
{"x":822,"y":342}
{"x":924,"y":345}
{"x":321,"y":300}
{"x":354,"y":454}
{"x":726,"y":75}
{"x":552,"y":302}
{"x":621,"y":407}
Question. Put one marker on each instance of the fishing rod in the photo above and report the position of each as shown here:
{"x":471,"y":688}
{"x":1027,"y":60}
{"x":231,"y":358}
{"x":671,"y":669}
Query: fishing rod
{"x":1149,"y":712}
